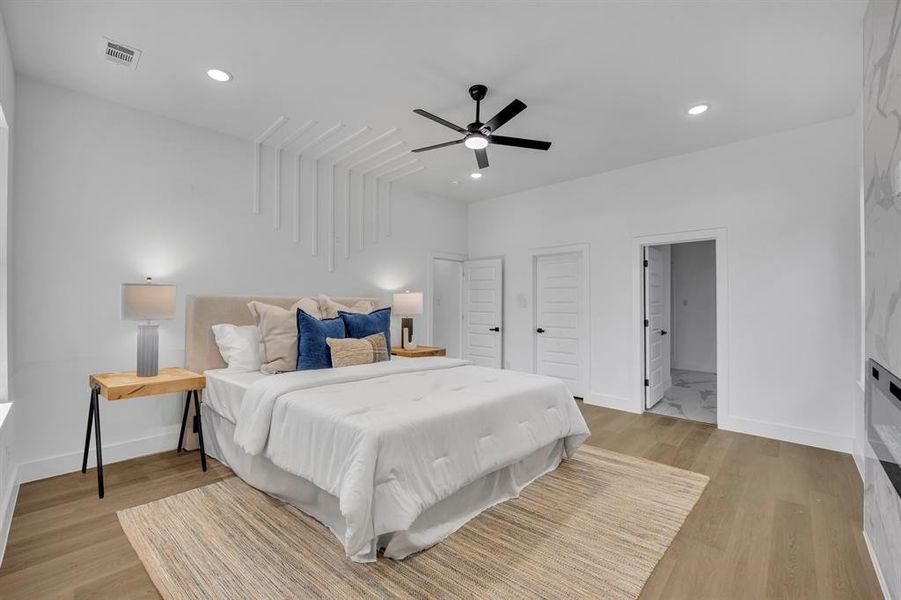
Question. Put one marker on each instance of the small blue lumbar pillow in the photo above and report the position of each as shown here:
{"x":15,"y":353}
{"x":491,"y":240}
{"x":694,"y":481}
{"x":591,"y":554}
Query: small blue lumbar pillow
{"x":359,"y":326}
{"x":312,"y":350}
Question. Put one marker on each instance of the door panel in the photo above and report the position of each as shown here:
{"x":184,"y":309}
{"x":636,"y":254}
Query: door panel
{"x":559,"y":315}
{"x":656,"y":306}
{"x":483,"y":284}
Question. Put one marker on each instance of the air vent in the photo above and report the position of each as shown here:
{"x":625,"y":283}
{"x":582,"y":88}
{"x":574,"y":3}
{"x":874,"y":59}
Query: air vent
{"x":122,"y":54}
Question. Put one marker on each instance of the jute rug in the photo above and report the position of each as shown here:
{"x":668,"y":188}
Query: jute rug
{"x":594,"y":528}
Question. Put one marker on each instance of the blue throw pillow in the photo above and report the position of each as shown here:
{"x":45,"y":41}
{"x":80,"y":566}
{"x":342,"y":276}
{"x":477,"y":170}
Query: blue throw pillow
{"x":359,"y":326}
{"x":312,"y":351}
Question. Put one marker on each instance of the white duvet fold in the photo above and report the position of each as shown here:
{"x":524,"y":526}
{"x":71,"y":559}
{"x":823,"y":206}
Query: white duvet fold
{"x":392,"y":439}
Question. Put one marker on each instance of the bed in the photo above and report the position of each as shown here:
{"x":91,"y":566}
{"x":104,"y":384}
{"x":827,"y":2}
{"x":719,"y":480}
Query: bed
{"x":392,"y":457}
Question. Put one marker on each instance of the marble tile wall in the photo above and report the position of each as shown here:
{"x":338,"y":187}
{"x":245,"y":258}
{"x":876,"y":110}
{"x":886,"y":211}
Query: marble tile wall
{"x":882,"y":230}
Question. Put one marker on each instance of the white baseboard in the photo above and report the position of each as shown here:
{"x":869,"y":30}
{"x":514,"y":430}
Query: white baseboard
{"x":788,"y":433}
{"x":885,"y":593}
{"x":164,"y":439}
{"x":7,"y":506}
{"x":615,"y":402}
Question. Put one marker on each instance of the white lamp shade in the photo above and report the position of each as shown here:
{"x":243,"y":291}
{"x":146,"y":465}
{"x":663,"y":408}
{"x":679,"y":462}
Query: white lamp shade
{"x":148,"y":301}
{"x":408,"y":303}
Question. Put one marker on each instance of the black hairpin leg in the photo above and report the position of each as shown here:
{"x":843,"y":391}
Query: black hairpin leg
{"x":199,"y":430}
{"x":87,"y":436}
{"x":94,"y":419}
{"x":184,"y":421}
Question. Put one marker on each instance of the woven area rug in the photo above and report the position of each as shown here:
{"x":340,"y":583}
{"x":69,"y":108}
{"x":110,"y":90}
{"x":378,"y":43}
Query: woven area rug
{"x":595,"y":527}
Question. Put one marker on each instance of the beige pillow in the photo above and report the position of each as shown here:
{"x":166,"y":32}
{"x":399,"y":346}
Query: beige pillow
{"x":347,"y":352}
{"x":278,"y":333}
{"x":328,"y":308}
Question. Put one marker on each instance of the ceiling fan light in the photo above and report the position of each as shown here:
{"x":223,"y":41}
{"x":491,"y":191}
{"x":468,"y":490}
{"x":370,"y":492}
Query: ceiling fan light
{"x":476,"y":141}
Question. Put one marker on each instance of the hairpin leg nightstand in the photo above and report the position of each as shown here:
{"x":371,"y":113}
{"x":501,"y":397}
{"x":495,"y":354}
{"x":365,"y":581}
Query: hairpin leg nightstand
{"x":126,"y":384}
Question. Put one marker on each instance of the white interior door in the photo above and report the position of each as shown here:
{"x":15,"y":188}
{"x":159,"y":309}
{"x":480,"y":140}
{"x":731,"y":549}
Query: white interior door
{"x":447,"y":305}
{"x":483,"y":284}
{"x":560,"y":319}
{"x":656,"y":307}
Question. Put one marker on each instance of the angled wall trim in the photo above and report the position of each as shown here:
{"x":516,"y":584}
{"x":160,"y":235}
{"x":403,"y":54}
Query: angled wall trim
{"x":390,"y":178}
{"x":314,"y":206}
{"x":363,"y":154}
{"x":375,"y":172}
{"x":257,"y":158}
{"x":279,"y":150}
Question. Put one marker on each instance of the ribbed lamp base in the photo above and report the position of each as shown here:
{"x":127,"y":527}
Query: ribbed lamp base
{"x":148,"y":350}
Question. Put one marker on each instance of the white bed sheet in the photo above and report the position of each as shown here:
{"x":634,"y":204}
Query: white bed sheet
{"x":225,"y":390}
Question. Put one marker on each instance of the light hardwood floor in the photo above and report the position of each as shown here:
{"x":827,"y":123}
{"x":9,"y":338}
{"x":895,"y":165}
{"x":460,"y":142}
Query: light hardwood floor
{"x":777,"y":520}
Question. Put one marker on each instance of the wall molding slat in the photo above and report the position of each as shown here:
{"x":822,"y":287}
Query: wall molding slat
{"x":362,"y":186}
{"x":330,"y":222}
{"x":314,"y":212}
{"x":297,"y":192}
{"x":279,"y":152}
{"x":373,"y":172}
{"x":258,"y":159}
{"x":347,"y":215}
{"x":367,"y":144}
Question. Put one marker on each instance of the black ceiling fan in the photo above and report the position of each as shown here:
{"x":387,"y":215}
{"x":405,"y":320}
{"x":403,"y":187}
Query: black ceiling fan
{"x":477,"y":135}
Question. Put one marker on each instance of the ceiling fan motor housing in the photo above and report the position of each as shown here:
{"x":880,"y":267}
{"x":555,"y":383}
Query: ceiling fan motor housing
{"x":478,"y":92}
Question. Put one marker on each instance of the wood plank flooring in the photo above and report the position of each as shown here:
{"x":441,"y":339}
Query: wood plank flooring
{"x":777,"y":520}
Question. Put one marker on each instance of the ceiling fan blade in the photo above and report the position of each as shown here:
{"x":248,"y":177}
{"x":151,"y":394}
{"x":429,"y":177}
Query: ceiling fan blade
{"x":436,"y":146}
{"x":482,"y":158}
{"x":438,"y":119}
{"x":507,"y":113}
{"x":518,"y":142}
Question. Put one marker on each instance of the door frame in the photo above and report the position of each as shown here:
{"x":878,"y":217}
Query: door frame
{"x":585,"y":342}
{"x":719,"y":236}
{"x":430,"y":289}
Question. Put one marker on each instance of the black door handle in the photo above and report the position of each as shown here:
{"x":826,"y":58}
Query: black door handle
{"x":663,"y":332}
{"x":539,"y":330}
{"x":495,"y":329}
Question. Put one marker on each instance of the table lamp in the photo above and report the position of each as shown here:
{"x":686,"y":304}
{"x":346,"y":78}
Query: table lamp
{"x":147,"y":302}
{"x":406,"y":305}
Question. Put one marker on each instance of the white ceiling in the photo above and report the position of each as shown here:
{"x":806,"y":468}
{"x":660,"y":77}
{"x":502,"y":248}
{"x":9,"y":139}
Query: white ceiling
{"x":607,"y":82}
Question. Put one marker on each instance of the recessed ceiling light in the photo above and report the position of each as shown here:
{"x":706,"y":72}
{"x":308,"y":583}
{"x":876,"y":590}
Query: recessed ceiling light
{"x":219,"y":75}
{"x":700,"y":109}
{"x":476,"y":175}
{"x":475,"y":141}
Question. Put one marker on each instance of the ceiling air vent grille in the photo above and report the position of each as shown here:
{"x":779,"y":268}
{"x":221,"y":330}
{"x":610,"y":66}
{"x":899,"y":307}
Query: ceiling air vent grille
{"x":122,"y":54}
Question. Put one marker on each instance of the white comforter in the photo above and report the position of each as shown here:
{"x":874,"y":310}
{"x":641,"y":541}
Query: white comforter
{"x":392,"y":439}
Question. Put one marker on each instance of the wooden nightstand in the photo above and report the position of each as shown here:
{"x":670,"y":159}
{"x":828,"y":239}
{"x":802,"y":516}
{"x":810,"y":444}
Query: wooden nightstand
{"x":419,"y":352}
{"x":122,"y":385}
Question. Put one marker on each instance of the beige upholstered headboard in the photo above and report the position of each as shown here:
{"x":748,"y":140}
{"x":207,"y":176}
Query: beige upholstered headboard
{"x":202,"y":312}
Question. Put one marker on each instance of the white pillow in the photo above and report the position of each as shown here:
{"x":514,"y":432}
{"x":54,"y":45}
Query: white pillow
{"x":239,"y":346}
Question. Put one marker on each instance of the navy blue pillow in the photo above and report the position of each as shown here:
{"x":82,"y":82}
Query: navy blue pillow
{"x":359,"y":326}
{"x":312,"y":351}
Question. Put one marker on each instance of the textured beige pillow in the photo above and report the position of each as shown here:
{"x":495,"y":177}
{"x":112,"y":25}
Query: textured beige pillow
{"x":278,"y":333}
{"x":347,"y":352}
{"x":328,"y":308}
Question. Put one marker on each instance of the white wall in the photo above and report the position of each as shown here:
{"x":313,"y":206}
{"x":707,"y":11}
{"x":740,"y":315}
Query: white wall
{"x":8,"y":459}
{"x":447,"y":292}
{"x":694,"y":306}
{"x":106,"y":194}
{"x":789,"y":204}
